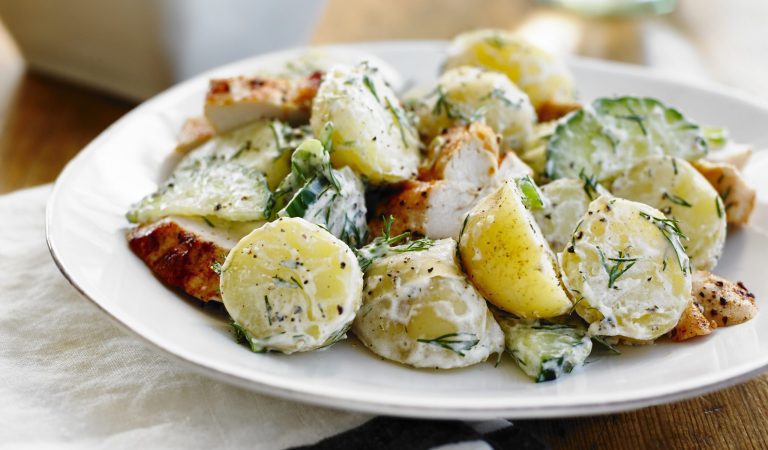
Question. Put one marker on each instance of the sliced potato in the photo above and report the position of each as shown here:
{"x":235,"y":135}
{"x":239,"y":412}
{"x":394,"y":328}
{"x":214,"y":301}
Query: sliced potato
{"x":627,"y":270}
{"x":291,"y":286}
{"x":565,"y":202}
{"x":538,"y":73}
{"x":507,"y":258}
{"x":675,"y":188}
{"x":467,"y":94}
{"x":369,"y":130}
{"x":545,"y":351}
{"x":420,"y":310}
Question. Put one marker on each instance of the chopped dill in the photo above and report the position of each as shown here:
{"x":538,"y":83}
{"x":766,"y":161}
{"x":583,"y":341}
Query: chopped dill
{"x":455,"y":342}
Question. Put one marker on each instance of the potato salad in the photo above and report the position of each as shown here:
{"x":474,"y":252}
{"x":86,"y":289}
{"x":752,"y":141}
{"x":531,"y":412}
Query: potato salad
{"x":491,"y":213}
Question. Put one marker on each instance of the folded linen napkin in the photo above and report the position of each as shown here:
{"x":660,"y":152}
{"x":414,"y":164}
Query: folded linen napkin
{"x":70,"y":378}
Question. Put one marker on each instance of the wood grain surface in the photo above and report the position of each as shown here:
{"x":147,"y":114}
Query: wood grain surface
{"x":44,"y":122}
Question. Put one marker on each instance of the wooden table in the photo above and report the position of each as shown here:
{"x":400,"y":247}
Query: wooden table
{"x":45,"y":122}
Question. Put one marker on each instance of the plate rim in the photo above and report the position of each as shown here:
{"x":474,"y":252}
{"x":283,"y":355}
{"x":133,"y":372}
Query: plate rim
{"x":381,"y":405}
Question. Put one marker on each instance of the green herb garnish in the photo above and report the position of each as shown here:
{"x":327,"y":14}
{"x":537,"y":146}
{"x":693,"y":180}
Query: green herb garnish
{"x":677,"y":200}
{"x":623,"y":264}
{"x":455,"y":342}
{"x":672,"y":233}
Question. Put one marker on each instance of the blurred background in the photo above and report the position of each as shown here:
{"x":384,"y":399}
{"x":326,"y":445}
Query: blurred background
{"x":69,"y":69}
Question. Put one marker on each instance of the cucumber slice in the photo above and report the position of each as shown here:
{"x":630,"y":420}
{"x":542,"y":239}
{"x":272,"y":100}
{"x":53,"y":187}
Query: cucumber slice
{"x":227,"y":191}
{"x":545,"y":351}
{"x":291,"y":286}
{"x":613,"y":134}
{"x":227,"y":178}
{"x":334,"y":199}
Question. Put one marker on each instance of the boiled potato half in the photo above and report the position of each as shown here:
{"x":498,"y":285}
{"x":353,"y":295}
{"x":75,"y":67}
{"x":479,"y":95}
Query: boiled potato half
{"x":675,"y":188}
{"x":538,"y":73}
{"x":468,"y":94}
{"x":419,"y":309}
{"x":506,"y":256}
{"x":368,"y":129}
{"x":627,"y":270}
{"x":291,"y":286}
{"x":565,"y":201}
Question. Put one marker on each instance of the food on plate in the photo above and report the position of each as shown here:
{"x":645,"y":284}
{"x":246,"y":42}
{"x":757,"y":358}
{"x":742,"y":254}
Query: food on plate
{"x":195,"y":131}
{"x":675,"y":188}
{"x":229,"y":177}
{"x":333,"y":199}
{"x":692,"y":323}
{"x":564,"y":202}
{"x":291,"y":286}
{"x":507,"y":258}
{"x":312,"y":203}
{"x":237,"y":101}
{"x":182,"y":250}
{"x":435,"y":209}
{"x":611,"y":135}
{"x":723,"y":302}
{"x":627,"y":270}
{"x":467,"y":94}
{"x":367,"y":126}
{"x":463,"y":153}
{"x":542,"y":76}
{"x":736,"y":196}
{"x":545,"y":351}
{"x":419,"y":309}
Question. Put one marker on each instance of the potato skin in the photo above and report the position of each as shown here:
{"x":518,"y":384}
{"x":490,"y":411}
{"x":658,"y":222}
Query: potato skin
{"x":507,"y":258}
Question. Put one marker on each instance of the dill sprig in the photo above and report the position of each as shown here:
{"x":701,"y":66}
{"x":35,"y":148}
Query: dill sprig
{"x":590,"y":184}
{"x":455,"y":342}
{"x":671,"y":231}
{"x":676,"y":199}
{"x":623,"y":264}
{"x":386,"y":244}
{"x":368,"y":83}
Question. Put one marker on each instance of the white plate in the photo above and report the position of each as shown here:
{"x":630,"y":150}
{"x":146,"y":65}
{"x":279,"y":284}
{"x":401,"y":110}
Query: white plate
{"x":85,"y":230}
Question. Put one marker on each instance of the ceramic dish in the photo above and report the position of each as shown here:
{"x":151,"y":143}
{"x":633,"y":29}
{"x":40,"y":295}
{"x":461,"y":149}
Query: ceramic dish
{"x":86,"y":234}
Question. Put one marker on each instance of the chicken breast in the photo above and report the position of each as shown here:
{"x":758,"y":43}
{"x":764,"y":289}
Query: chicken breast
{"x":510,"y":167}
{"x":435,"y":209}
{"x":554,"y":109}
{"x":182,"y":252}
{"x":724,"y":302}
{"x":233,"y":102}
{"x":463,"y":153}
{"x":738,"y":198}
{"x":731,"y":153}
{"x":692,"y":323}
{"x":194,"y":132}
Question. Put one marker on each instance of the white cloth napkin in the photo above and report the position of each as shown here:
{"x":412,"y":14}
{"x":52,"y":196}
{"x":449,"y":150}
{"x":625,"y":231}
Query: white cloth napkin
{"x":69,"y":377}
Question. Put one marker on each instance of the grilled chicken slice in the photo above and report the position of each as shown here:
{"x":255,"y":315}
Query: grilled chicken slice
{"x":732,"y":153}
{"x":692,"y":323}
{"x":435,"y":209}
{"x":194,"y":132}
{"x":737,"y":196}
{"x":555,"y":109}
{"x":181,"y":252}
{"x":511,"y":166}
{"x":463,"y":153}
{"x":724,"y":302}
{"x":233,"y":102}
